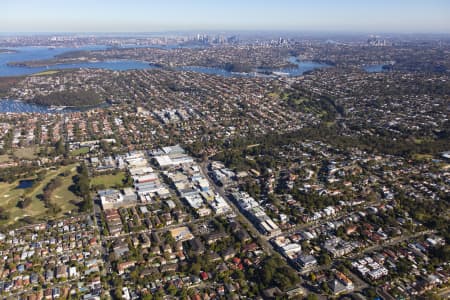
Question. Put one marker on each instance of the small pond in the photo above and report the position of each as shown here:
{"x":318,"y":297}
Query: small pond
{"x":24,"y":184}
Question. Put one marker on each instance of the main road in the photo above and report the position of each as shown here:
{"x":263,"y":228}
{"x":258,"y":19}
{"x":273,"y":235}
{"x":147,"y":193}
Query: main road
{"x":267,"y":247}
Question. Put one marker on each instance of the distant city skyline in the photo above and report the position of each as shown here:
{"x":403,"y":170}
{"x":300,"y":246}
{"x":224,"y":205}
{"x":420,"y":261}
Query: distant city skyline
{"x":400,"y":16}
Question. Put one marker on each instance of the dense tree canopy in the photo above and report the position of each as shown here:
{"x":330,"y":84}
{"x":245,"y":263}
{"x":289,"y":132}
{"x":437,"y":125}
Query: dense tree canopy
{"x":68,"y":98}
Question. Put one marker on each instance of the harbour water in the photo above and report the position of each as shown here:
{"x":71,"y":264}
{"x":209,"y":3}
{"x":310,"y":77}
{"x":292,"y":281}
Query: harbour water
{"x":374,"y":68}
{"x":32,"y":53}
{"x":21,"y":54}
{"x":40,"y":53}
{"x":300,"y":69}
{"x":18,"y":106}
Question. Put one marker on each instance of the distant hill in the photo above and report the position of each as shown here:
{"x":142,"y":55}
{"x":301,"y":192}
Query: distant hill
{"x":78,"y":98}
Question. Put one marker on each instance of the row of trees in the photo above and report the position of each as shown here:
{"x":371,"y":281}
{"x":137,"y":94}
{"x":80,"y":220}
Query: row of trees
{"x":49,"y":189}
{"x":47,"y":193}
{"x":10,"y":175}
{"x":24,"y":203}
{"x":81,"y":187}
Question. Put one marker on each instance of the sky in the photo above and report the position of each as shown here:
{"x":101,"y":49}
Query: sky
{"x":377,"y":16}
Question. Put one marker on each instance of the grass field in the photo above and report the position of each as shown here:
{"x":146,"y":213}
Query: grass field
{"x":300,"y":100}
{"x":49,"y":72}
{"x":5,"y":158}
{"x":79,"y":151}
{"x":108,"y":181}
{"x":422,"y":157}
{"x":62,"y":196}
{"x":26,"y":153}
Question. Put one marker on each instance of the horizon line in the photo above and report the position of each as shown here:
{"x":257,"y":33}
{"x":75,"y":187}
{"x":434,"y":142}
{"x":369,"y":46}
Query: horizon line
{"x":351,"y":32}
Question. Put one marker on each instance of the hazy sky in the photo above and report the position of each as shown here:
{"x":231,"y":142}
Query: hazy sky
{"x":160,"y":15}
